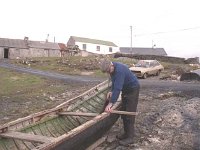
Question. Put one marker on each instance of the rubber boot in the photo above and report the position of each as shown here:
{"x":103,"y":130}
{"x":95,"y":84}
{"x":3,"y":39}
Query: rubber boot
{"x":125,"y":134}
{"x":130,"y":133}
{"x":126,"y":141}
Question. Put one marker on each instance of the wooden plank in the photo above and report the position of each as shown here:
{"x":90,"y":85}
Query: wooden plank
{"x":27,"y":137}
{"x":79,"y":114}
{"x":124,"y":112}
{"x":96,"y":114}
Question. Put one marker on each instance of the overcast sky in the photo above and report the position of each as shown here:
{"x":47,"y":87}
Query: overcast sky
{"x":170,"y":24}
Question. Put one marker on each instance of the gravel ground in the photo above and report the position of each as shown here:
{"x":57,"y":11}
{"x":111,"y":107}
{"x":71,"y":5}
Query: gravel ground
{"x":167,"y":121}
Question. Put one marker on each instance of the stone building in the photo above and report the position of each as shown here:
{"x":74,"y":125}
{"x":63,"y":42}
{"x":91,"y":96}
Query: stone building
{"x":18,"y":48}
{"x":143,"y":51}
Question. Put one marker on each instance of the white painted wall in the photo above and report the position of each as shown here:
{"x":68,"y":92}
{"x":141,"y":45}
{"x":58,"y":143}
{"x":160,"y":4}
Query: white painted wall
{"x":93,"y":48}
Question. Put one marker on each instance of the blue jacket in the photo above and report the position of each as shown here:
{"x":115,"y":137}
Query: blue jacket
{"x":122,"y":80}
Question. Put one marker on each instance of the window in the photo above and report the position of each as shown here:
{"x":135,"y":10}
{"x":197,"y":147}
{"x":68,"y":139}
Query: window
{"x":110,"y":49}
{"x":98,"y":48}
{"x":84,"y":47}
{"x":151,"y":64}
{"x":156,"y":63}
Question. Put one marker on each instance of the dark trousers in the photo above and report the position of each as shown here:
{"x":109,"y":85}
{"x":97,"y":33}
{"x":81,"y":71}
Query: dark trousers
{"x":129,"y":103}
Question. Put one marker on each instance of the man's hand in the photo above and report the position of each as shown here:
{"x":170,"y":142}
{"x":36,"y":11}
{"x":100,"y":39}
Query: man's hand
{"x":109,"y":95}
{"x":108,"y":107}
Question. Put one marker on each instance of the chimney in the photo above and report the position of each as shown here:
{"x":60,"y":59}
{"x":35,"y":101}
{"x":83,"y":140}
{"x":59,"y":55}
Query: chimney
{"x":25,"y":38}
{"x":26,"y":41}
{"x":47,"y":39}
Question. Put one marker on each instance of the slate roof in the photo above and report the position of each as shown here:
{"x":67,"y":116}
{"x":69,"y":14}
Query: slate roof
{"x":17,"y":43}
{"x":13,"y":43}
{"x":43,"y":45}
{"x":143,"y":51}
{"x":93,"y":41}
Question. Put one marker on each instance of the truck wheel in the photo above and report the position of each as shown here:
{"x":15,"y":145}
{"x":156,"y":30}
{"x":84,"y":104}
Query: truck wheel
{"x":144,"y":76}
{"x":158,"y":73}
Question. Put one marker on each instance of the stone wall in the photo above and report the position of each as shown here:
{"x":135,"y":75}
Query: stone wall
{"x":1,"y":52}
{"x":177,"y":60}
{"x":13,"y":53}
{"x":194,"y":60}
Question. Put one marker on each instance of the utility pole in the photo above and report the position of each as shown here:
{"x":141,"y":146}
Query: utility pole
{"x":153,"y":45}
{"x":131,"y":40}
{"x":47,"y":39}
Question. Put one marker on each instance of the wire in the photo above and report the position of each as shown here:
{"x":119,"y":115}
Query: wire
{"x":164,"y":32}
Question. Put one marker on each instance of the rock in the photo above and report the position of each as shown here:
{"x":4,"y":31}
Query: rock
{"x":111,"y":138}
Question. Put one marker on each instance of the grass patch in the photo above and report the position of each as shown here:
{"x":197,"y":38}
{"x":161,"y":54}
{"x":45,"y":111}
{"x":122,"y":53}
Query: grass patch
{"x":13,"y":81}
{"x":15,"y":84}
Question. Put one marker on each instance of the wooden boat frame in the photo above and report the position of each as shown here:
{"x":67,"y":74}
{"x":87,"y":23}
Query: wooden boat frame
{"x":80,"y":137}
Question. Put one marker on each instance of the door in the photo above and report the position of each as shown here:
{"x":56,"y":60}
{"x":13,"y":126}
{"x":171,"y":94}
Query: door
{"x":6,"y":51}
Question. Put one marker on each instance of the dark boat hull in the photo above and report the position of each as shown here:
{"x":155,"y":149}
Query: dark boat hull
{"x":88,"y":136}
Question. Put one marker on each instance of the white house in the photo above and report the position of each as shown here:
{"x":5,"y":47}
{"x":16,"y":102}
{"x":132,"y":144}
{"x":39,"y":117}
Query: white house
{"x":93,"y":46}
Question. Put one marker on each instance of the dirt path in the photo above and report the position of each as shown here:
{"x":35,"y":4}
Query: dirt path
{"x":53,"y":75}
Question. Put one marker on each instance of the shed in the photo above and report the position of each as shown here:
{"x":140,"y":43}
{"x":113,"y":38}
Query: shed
{"x":143,"y":51}
{"x":11,"y":48}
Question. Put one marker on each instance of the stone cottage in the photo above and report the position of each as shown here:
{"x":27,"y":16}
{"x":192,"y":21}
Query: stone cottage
{"x":13,"y":48}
